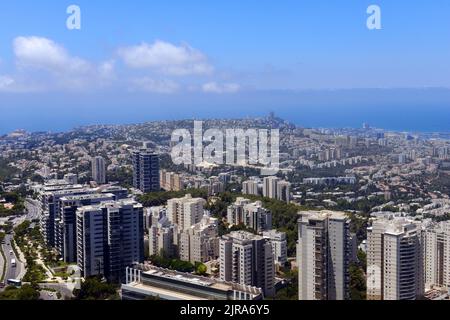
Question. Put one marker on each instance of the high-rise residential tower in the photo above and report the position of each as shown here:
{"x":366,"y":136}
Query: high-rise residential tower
{"x":146,"y":171}
{"x":275,"y":188}
{"x":99,"y":170}
{"x":284,"y":191}
{"x":247,"y":259}
{"x":162,"y":235}
{"x":394,"y":260}
{"x":323,"y":255}
{"x":270,"y":187}
{"x":110,"y":238}
{"x":200,"y":243}
{"x":250,"y":187}
{"x":65,"y":224}
{"x":279,"y":246}
{"x":185,"y":212}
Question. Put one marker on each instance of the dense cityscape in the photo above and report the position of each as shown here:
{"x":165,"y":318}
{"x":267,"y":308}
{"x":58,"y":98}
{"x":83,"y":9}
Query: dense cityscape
{"x":102,"y":212}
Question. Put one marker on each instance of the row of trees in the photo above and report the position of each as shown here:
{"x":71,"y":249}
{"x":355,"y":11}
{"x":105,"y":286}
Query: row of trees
{"x":162,"y":261}
{"x":27,"y":239}
{"x":358,"y":280}
{"x":27,"y":291}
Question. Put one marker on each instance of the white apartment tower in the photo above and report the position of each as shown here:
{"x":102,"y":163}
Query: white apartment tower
{"x":394,"y":260}
{"x":162,"y":235}
{"x":247,"y":259}
{"x":436,"y":255}
{"x":434,"y":240}
{"x":235,"y":212}
{"x":170,"y":181}
{"x":250,"y":187}
{"x":323,"y":255}
{"x":276,"y":188}
{"x":185,"y":212}
{"x":279,"y":246}
{"x":270,"y":187}
{"x":200,"y":243}
{"x":252,"y":215}
{"x":446,"y":262}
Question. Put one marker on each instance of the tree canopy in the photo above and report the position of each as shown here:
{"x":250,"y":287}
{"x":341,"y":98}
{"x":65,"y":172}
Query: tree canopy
{"x":26,"y":292}
{"x":95,"y":289}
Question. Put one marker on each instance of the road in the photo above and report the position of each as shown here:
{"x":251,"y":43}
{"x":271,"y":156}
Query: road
{"x":11,"y":272}
{"x":2,"y":262}
{"x":32,"y":209}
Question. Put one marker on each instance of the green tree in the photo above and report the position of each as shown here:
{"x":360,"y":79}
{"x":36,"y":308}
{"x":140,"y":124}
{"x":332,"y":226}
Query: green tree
{"x":290,"y":292}
{"x":22,"y":229}
{"x":173,"y":264}
{"x":95,"y":289}
{"x":200,"y":269}
{"x":358,"y":286}
{"x":26,"y":292}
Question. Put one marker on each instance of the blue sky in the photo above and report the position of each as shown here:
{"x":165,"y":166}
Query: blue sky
{"x":170,"y":51}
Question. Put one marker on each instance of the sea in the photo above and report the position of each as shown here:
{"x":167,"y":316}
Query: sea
{"x":428,"y":111}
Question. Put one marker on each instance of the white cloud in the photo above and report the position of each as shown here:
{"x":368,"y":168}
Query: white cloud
{"x":6,"y":82}
{"x":214,"y":87}
{"x":166,"y":58}
{"x":62,"y":70}
{"x":156,"y":86}
{"x":45,"y":65}
{"x":14,"y":84}
{"x":43,"y":53}
{"x":106,"y":69}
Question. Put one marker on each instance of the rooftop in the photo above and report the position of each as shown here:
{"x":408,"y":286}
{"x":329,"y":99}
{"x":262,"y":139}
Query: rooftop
{"x":87,"y":196}
{"x":322,"y":215}
{"x":196,"y":280}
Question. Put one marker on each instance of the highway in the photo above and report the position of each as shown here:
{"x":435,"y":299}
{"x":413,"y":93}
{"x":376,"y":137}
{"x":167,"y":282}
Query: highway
{"x":32,"y":213}
{"x":11,"y":272}
{"x":2,"y":262}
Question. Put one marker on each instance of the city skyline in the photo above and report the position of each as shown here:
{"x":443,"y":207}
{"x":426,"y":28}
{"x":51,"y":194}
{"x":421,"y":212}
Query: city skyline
{"x":431,"y":119}
{"x":337,"y":197}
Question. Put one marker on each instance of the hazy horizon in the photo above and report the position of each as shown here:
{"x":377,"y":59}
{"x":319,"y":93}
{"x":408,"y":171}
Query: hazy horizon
{"x":420,"y":110}
{"x":308,"y":61}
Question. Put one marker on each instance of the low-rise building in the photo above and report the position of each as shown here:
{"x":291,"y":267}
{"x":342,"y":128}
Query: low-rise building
{"x":144,"y":282}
